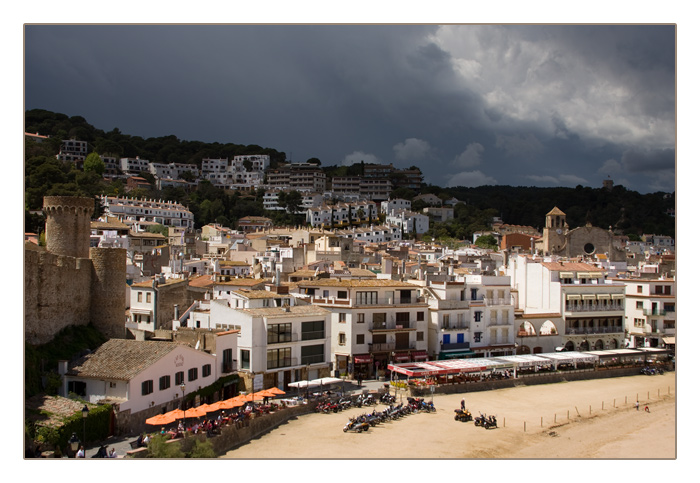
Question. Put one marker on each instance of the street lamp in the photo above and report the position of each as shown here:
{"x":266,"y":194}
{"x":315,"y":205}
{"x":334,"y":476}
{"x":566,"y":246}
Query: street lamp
{"x":182,"y":404}
{"x":74,"y":443}
{"x":85,"y":415}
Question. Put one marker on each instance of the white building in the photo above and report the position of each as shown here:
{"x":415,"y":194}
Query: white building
{"x":409,"y":221}
{"x":472,"y":316}
{"x":374,"y":322}
{"x":568,"y":303}
{"x":171,"y":170}
{"x":650,"y":311}
{"x":73,"y":151}
{"x":396,"y":204}
{"x":283,"y":341}
{"x":138,"y":375}
{"x":134,"y":165}
{"x":167,"y":213}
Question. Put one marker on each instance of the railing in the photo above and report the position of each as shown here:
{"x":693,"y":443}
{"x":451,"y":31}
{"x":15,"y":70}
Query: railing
{"x":496,"y":301}
{"x":654,"y":312}
{"x":228,"y":366}
{"x":384,"y":347}
{"x":283,"y":339}
{"x":594,"y":330}
{"x":594,"y":308}
{"x":284,"y":362}
{"x":457,"y":326}
{"x":393,"y":325}
{"x":455,"y":346}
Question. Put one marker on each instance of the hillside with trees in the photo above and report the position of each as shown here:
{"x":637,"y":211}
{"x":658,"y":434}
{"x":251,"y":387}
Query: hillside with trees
{"x":627,"y":212}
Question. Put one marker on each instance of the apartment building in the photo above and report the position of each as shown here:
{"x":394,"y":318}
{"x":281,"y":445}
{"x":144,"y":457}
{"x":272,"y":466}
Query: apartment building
{"x":650,"y":311}
{"x":134,"y":165}
{"x":73,"y":151}
{"x":470,"y":316}
{"x":167,"y":213}
{"x":409,"y":221}
{"x":279,"y":339}
{"x":397,"y":204}
{"x":567,"y":303}
{"x":373,"y":322}
{"x":171,"y":170}
{"x":297,"y":176}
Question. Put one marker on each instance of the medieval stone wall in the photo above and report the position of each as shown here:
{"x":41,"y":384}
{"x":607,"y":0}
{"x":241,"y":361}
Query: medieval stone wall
{"x":56,"y":294}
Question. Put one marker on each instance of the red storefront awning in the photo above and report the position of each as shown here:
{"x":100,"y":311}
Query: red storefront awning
{"x":363,"y":359}
{"x":402,"y":357}
{"x":420,"y":356}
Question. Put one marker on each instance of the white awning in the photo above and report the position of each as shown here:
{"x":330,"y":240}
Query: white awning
{"x":588,"y":296}
{"x":583,"y":275}
{"x":603,"y":296}
{"x":597,"y":275}
{"x":566,"y":275}
{"x":618,"y":296}
{"x":573,"y":297}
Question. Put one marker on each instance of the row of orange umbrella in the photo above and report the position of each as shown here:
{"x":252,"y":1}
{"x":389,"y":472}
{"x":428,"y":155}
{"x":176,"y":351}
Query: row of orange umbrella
{"x":202,"y":410}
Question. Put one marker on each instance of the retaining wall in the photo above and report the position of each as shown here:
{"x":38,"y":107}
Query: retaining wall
{"x":235,"y":435}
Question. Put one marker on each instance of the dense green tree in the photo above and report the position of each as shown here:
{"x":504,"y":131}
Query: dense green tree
{"x":158,"y":448}
{"x":486,"y":241}
{"x":93,"y":163}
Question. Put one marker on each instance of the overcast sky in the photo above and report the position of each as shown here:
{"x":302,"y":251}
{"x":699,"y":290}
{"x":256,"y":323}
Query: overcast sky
{"x":468,"y":104}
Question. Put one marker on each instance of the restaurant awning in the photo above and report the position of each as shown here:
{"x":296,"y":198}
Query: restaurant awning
{"x":603,"y":296}
{"x":420,"y":356}
{"x":588,"y":296}
{"x":402,"y":357}
{"x":573,"y":297}
{"x":363,"y":359}
{"x":669,"y":340}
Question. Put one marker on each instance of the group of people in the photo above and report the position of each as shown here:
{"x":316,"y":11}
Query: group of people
{"x":101,"y":453}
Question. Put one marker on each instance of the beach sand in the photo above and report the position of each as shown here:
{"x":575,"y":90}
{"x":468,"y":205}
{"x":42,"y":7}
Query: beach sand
{"x":593,"y":419}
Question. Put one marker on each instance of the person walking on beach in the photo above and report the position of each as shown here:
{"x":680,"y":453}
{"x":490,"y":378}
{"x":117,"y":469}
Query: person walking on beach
{"x":462,"y":404}
{"x":637,"y":405}
{"x":646,"y":408}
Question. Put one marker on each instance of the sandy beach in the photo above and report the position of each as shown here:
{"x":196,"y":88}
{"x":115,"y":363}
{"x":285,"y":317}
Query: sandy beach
{"x":593,"y":419}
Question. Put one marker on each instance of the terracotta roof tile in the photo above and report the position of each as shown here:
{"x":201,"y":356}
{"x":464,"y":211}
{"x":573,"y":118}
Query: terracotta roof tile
{"x":121,"y":359}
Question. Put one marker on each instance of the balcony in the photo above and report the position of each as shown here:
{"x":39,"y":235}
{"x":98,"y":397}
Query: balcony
{"x":594,"y":330}
{"x":654,"y":312}
{"x":455,"y":346}
{"x":284,"y":339}
{"x":388,"y":347}
{"x":496,"y":301}
{"x":229,"y":366}
{"x":455,"y":326}
{"x":283,"y":362}
{"x":393,"y":325}
{"x":594,"y":308}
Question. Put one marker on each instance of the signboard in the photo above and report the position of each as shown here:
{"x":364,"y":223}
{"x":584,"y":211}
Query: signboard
{"x":258,"y":383}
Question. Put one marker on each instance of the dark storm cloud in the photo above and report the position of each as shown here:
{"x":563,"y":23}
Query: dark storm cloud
{"x":473,"y":104}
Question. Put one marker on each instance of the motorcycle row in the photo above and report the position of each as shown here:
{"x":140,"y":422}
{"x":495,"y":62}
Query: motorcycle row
{"x":652,"y":371}
{"x":363,"y":422}
{"x":486,"y":422}
{"x":349,"y":402}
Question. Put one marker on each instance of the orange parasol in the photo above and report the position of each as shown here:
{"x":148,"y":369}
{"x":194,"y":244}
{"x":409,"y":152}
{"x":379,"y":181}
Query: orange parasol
{"x":161,"y":419}
{"x":276,"y":391}
{"x":264,"y":393}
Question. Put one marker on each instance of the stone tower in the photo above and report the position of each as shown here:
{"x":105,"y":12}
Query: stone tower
{"x":108,"y":290}
{"x":554,"y":233}
{"x":68,"y":225}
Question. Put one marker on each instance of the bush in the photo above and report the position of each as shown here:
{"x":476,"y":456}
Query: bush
{"x":202,"y":449}
{"x":158,"y":448}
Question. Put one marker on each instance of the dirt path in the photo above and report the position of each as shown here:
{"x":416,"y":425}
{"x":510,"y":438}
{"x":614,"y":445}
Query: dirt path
{"x":583,"y":419}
